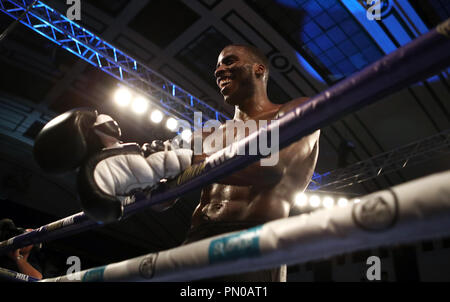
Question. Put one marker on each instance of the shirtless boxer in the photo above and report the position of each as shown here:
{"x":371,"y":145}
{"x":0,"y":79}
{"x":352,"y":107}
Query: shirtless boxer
{"x":249,"y":197}
{"x":256,"y":194}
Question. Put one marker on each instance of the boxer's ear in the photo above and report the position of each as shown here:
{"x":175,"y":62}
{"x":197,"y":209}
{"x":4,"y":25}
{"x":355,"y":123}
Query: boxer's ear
{"x":259,"y":70}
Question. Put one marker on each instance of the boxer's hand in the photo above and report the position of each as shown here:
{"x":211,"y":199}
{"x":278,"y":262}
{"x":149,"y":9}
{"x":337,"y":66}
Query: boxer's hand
{"x":115,"y":173}
{"x":70,"y":138}
{"x":158,"y":146}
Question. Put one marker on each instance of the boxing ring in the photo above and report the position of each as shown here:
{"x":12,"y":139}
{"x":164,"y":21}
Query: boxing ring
{"x":409,"y":212}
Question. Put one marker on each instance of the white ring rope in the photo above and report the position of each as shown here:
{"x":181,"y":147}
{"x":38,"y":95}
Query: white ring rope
{"x":409,"y":212}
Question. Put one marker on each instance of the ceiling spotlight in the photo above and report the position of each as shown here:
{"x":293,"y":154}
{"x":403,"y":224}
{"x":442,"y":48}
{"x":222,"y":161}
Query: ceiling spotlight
{"x":356,"y":200}
{"x":186,"y":134}
{"x":314,"y":201}
{"x":140,"y":105}
{"x":342,"y":202}
{"x":328,"y":202}
{"x":301,"y":199}
{"x":156,"y":116}
{"x":122,"y":96}
{"x":172,"y":124}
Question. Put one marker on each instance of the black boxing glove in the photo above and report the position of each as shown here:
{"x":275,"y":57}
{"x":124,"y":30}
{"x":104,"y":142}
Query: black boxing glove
{"x":8,"y":229}
{"x":110,"y":177}
{"x":67,"y":140}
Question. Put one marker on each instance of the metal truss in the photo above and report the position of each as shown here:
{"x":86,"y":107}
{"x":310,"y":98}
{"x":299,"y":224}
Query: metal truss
{"x":91,"y":48}
{"x":391,"y":161}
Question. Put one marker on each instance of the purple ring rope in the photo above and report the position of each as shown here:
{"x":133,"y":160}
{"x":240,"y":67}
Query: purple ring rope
{"x":9,"y":275}
{"x":419,"y":59}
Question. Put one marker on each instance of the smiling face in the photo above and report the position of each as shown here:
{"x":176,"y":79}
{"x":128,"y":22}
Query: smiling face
{"x":235,"y":74}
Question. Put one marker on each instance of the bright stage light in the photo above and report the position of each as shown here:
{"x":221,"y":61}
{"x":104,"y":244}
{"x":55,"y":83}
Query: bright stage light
{"x":314,"y":201}
{"x":140,"y":105}
{"x":172,"y":124}
{"x":186,"y":134}
{"x":342,"y":202}
{"x":328,"y":202}
{"x":122,"y":96}
{"x":301,"y":199}
{"x":156,"y":116}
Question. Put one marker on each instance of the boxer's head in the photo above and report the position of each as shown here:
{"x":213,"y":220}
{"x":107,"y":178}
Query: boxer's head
{"x":241,"y":70}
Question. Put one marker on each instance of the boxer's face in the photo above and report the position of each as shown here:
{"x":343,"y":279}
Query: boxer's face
{"x":234,"y":74}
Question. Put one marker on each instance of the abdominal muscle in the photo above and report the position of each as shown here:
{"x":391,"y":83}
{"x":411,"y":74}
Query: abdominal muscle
{"x":226,"y":203}
{"x":230,"y":203}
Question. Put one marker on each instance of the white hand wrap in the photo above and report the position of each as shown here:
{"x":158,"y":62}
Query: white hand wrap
{"x":168,"y":164}
{"x":122,"y":174}
{"x":109,"y":178}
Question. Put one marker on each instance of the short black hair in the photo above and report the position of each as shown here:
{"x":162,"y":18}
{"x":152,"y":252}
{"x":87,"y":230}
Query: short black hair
{"x":256,"y":54}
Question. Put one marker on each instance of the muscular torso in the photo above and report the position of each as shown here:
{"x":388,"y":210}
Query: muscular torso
{"x":259,"y":203}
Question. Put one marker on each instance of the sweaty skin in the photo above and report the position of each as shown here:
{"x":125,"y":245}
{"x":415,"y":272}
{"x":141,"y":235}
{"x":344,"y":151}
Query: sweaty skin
{"x":256,"y":193}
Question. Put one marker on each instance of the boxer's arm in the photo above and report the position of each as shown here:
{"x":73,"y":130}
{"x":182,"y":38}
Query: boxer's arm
{"x":257,"y":175}
{"x":21,"y":261}
{"x":26,"y":268}
{"x":161,"y":207}
{"x":298,"y":154}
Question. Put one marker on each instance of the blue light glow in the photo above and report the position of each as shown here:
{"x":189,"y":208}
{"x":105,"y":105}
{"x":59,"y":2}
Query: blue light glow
{"x":397,"y":30}
{"x":411,"y":14}
{"x":371,"y":27}
{"x":331,"y":36}
{"x":309,"y":68}
{"x":316,"y":181}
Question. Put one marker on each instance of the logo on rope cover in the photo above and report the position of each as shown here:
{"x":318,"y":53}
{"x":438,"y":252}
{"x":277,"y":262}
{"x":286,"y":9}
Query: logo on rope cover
{"x":22,"y":277}
{"x":68,"y":221}
{"x":242,"y":244}
{"x":54,"y":225}
{"x":444,"y":28}
{"x":378,"y":213}
{"x":147,"y":266}
{"x":94,"y":275}
{"x":191,"y":172}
